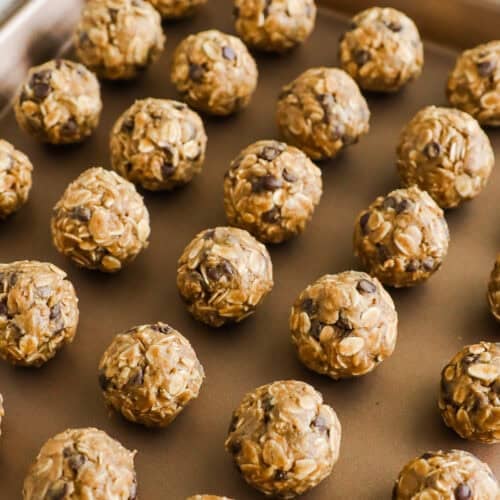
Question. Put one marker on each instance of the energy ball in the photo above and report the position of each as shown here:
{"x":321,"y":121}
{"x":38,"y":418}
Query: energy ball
{"x":494,"y":289}
{"x":223,"y":275}
{"x":214,"y":72}
{"x":283,"y":439}
{"x":382,"y":50}
{"x":117,"y":39}
{"x":176,"y":9}
{"x":59,"y":102}
{"x":470,"y":393}
{"x":149,"y":374}
{"x":474,"y":83}
{"x":453,"y":475}
{"x":322,"y":111}
{"x":158,"y":144}
{"x":271,"y":190}
{"x":402,"y":238}
{"x":82,"y":463}
{"x":101,"y":221}
{"x":15,"y":179}
{"x":38,"y":312}
{"x":274,"y":25}
{"x":344,"y":325}
{"x":445,"y":152}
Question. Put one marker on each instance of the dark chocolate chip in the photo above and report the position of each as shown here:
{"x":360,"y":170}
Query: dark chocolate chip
{"x":383,"y":252}
{"x":13,"y":279}
{"x":266,"y":183}
{"x":57,"y":491}
{"x":352,"y":26}
{"x":162,"y":327}
{"x":196,"y":72}
{"x":40,"y":84}
{"x":223,"y":269}
{"x":235,"y":447}
{"x":343,"y":324}
{"x":394,"y":26}
{"x":412,"y":266}
{"x":104,"y":381}
{"x":4,"y":310}
{"x":2,"y":278}
{"x":209,"y":234}
{"x":267,"y":407}
{"x":233,"y":424}
{"x":432,"y":150}
{"x":271,"y":216}
{"x":315,"y":329}
{"x":403,"y":206}
{"x":55,"y":312}
{"x":361,"y":56}
{"x":363,"y":222}
{"x":137,"y":378}
{"x":269,"y":153}
{"x":76,"y":461}
{"x":389,"y":202}
{"x":289,"y":177}
{"x":82,"y":214}
{"x":365,"y":286}
{"x":69,"y":128}
{"x":167,"y":170}
{"x":280,"y":475}
{"x":463,"y":492}
{"x":308,"y":306}
{"x":486,"y":68}
{"x":128,"y":125}
{"x":428,"y":263}
{"x":228,"y":53}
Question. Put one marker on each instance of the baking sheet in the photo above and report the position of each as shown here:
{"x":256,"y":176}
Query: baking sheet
{"x":388,"y":417}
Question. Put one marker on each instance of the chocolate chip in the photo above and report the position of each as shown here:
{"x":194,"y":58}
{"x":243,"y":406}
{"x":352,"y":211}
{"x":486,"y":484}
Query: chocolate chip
{"x":57,"y":491}
{"x":289,"y":177}
{"x":363,"y":222}
{"x":394,"y":26}
{"x":266,"y":183}
{"x":104,"y":381}
{"x":267,"y":407}
{"x":55,"y":312}
{"x":432,"y":150}
{"x":137,"y":378}
{"x":365,"y":286}
{"x":361,"y":56}
{"x":271,"y":216}
{"x":128,"y":125}
{"x":426,"y":456}
{"x":40,"y":84}
{"x":223,"y":269}
{"x":76,"y":461}
{"x":235,"y":447}
{"x":209,"y":234}
{"x":320,"y":423}
{"x":352,"y":26}
{"x":167,"y":170}
{"x":412,"y":266}
{"x":4,"y":310}
{"x":13,"y":279}
{"x":228,"y":53}
{"x":463,"y":492}
{"x":2,"y":277}
{"x":308,"y":306}
{"x":403,"y":206}
{"x":315,"y":329}
{"x":162,"y":327}
{"x":233,"y":424}
{"x":383,"y":252}
{"x":196,"y":72}
{"x":82,"y":214}
{"x":269,"y":153}
{"x":69,"y":128}
{"x":389,"y":202}
{"x":343,"y":324}
{"x":280,"y":475}
{"x":486,"y":68}
{"x":428,"y":263}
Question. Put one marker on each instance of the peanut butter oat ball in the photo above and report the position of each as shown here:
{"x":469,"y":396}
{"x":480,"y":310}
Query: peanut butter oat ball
{"x":470,"y":393}
{"x":284,"y":440}
{"x":149,"y":374}
{"x":214,"y":72}
{"x":15,"y":179}
{"x":59,"y":102}
{"x":446,"y":475}
{"x":474,"y":83}
{"x":158,"y":144}
{"x":274,"y":25}
{"x":344,"y":325}
{"x":82,"y":464}
{"x":322,"y":111}
{"x":402,"y":238}
{"x":223,"y":275}
{"x":118,"y":38}
{"x":494,"y":289}
{"x":101,"y":221}
{"x":382,"y":49}
{"x":176,"y":9}
{"x":38,"y":312}
{"x":445,"y":152}
{"x":271,"y":190}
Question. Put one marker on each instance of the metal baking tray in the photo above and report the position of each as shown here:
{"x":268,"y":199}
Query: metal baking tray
{"x":388,"y":416}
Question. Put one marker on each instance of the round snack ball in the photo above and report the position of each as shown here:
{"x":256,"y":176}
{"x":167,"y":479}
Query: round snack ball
{"x":494,"y":289}
{"x":382,"y":49}
{"x":158,"y":143}
{"x":445,"y":152}
{"x":271,"y":190}
{"x":38,"y":312}
{"x":402,"y":238}
{"x":284,"y":440}
{"x":223,"y":275}
{"x":344,"y":325}
{"x":101,"y":221}
{"x":82,"y":463}
{"x":118,"y":38}
{"x":470,"y":393}
{"x":453,"y":475}
{"x":474,"y":83}
{"x":214,"y":72}
{"x":322,"y":111}
{"x":176,"y":9}
{"x":59,"y":102}
{"x":149,"y":374}
{"x":274,"y":25}
{"x":15,"y":179}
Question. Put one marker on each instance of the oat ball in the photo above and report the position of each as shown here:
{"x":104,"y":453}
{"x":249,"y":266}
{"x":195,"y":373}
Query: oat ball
{"x":283,"y":439}
{"x":59,"y":102}
{"x":402,"y":238}
{"x":271,"y":190}
{"x":118,"y":38}
{"x":101,"y":221}
{"x":322,"y":111}
{"x":494,"y":289}
{"x":470,"y":393}
{"x":274,"y":25}
{"x":446,"y":475}
{"x":149,"y":374}
{"x":82,"y":464}
{"x":214,"y":72}
{"x":158,"y":144}
{"x":176,"y":9}
{"x":474,"y":83}
{"x":445,"y":152}
{"x":344,"y":325}
{"x":382,"y":49}
{"x":38,"y":312}
{"x":223,"y":275}
{"x":15,"y":179}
